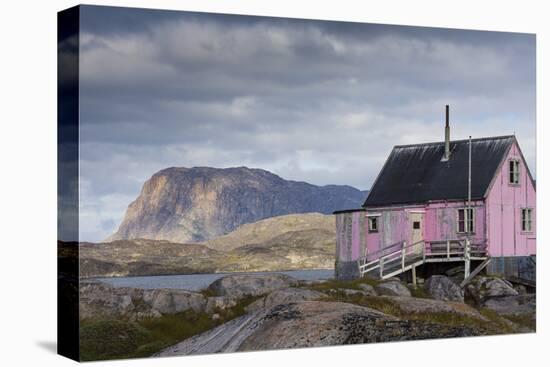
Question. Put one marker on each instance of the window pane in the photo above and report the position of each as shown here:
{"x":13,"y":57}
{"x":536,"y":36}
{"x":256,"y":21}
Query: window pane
{"x":461,"y":226}
{"x":373,"y":224}
{"x":461,"y":214}
{"x":514,"y":172}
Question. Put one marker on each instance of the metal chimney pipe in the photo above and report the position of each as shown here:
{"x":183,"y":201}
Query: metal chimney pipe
{"x":447,"y":134}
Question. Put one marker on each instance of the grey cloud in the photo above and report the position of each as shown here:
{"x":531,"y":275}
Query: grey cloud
{"x":315,"y":101}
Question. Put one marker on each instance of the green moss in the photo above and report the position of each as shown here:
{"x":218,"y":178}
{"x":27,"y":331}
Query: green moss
{"x":108,"y":339}
{"x":115,"y":339}
{"x":332,"y":284}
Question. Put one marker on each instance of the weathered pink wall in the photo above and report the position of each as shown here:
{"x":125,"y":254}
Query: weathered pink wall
{"x":350,"y":235}
{"x":504,"y":204}
{"x":394,"y":226}
{"x":439,"y":224}
{"x":441,"y":221}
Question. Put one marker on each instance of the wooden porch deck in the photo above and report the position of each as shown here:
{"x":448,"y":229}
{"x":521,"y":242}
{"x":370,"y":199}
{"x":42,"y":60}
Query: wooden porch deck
{"x":399,"y":258}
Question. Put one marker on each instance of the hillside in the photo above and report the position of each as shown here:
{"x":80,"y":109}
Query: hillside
{"x":268,"y":230}
{"x":298,"y":241}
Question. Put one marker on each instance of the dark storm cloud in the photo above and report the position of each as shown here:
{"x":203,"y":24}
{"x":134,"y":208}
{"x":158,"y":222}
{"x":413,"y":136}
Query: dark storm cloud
{"x":316,"y":101}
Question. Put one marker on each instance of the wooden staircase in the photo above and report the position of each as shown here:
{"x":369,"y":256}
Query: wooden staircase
{"x":400,"y":257}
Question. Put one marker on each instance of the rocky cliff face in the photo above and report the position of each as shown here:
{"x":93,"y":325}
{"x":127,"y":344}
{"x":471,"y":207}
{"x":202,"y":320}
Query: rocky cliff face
{"x":196,"y":204}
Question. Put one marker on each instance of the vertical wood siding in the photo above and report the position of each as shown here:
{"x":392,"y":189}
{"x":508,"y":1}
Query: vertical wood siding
{"x":350,"y":235}
{"x":504,"y":204}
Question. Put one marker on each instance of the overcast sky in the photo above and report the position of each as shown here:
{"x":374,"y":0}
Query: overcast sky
{"x":322,"y":102}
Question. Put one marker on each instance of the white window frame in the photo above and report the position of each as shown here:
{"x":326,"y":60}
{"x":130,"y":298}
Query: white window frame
{"x":467,"y":220}
{"x":526,"y":219}
{"x":514,"y":172}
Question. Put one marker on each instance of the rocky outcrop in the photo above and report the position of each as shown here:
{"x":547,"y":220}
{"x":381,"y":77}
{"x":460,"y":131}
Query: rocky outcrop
{"x":412,"y":305}
{"x":481,"y":289}
{"x":219,"y":303}
{"x":310,"y":324}
{"x":101,"y":300}
{"x":442,"y":288}
{"x":500,"y":296}
{"x":368,"y":289}
{"x":392,"y":288}
{"x":288,"y":295}
{"x":520,"y":305}
{"x":196,"y":204}
{"x":240,"y":285}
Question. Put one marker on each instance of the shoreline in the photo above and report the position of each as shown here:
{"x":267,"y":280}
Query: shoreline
{"x":84,"y":278}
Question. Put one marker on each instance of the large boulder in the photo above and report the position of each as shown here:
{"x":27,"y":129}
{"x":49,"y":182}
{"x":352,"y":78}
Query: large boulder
{"x":170,"y":301}
{"x":392,"y":288}
{"x":219,"y":303}
{"x":311,"y":324}
{"x":102,"y":300}
{"x":288,"y":295}
{"x":240,"y":285}
{"x":367,"y":289}
{"x":442,"y":288}
{"x":480,"y":289}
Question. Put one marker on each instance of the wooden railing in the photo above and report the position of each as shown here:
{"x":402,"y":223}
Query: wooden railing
{"x":401,"y":257}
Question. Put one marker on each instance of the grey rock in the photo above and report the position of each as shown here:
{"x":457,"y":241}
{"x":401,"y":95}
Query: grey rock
{"x":240,"y":285}
{"x":442,"y":288}
{"x":169,"y":301}
{"x":480,"y":289}
{"x":411,"y":305}
{"x":520,"y":288}
{"x":288,"y":295}
{"x":520,"y":305}
{"x":368,"y":289}
{"x":97,"y":299}
{"x":352,"y":292}
{"x":392,"y":288}
{"x":219,"y":303}
{"x":310,"y":324}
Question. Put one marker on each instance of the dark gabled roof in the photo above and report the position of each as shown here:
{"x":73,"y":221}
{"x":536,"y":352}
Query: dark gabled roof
{"x":416,"y":174}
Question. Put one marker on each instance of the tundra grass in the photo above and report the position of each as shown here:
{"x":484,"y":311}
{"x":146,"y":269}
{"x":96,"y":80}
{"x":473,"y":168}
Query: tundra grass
{"x":119,"y":338}
{"x":332,"y":284}
{"x":527,"y":321}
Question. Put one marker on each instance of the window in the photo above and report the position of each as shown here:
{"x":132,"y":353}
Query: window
{"x":526,"y":224}
{"x":373,"y":224}
{"x":465,"y":220}
{"x":416,"y":225}
{"x":514,"y":172}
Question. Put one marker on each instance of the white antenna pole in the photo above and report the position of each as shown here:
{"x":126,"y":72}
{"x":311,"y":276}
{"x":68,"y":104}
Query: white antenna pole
{"x":470,"y":172}
{"x":468,"y":216}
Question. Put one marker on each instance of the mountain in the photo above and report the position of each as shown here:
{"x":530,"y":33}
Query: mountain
{"x":201,"y":203}
{"x":295,"y":241}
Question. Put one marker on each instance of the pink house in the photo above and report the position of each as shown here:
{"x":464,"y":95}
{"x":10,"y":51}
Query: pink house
{"x":470,"y":201}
